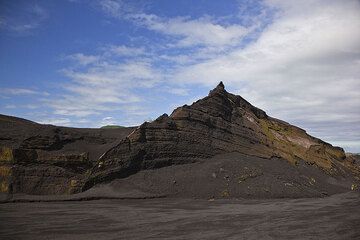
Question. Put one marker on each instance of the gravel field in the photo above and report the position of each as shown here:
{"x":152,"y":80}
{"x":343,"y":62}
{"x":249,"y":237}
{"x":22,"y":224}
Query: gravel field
{"x":334,"y":217}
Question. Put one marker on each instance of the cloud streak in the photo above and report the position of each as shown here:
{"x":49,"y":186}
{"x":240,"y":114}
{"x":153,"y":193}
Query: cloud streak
{"x":21,"y":91}
{"x":103,"y":86}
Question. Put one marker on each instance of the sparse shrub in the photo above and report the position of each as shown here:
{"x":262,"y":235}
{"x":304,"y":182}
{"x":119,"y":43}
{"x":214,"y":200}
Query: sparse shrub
{"x":312,"y":181}
{"x":225,"y":193}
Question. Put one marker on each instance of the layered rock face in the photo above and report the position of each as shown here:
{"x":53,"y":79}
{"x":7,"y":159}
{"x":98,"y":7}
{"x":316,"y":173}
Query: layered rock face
{"x":44,"y":159}
{"x":219,"y":123}
{"x":268,"y":157}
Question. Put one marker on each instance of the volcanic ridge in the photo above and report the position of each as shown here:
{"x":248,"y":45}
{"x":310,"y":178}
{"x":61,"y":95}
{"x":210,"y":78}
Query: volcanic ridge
{"x":221,"y":146}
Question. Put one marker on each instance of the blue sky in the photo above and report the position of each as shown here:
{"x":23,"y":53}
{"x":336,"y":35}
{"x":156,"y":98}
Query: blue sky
{"x":97,"y":62}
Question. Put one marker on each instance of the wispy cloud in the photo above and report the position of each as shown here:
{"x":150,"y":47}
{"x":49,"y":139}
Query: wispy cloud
{"x":120,"y":8}
{"x":83,"y":59}
{"x":20,"y":91}
{"x":107,"y":121}
{"x":56,"y":121}
{"x":104,"y":86}
{"x":23,"y":19}
{"x":10,"y":106}
{"x":177,"y":91}
{"x":185,"y":31}
{"x":203,"y":31}
{"x":122,"y":50}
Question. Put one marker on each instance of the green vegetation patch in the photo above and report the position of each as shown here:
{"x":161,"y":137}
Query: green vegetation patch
{"x":111,"y":127}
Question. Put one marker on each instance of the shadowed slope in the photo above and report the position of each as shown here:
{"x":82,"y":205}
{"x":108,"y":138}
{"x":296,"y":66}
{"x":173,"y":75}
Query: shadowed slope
{"x":45,"y":159}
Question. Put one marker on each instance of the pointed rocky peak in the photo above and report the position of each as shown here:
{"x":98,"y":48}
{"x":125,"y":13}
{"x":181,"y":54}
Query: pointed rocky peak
{"x":220,"y":88}
{"x":222,"y":101}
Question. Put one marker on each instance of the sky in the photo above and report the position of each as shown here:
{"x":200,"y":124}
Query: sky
{"x":98,"y":62}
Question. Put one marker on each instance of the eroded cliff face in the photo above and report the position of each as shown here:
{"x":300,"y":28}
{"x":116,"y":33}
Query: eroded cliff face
{"x":45,"y":159}
{"x":219,"y":123}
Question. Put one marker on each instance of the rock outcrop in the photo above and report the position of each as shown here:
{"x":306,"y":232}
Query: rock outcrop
{"x":241,"y":151}
{"x":45,"y":159}
{"x":217,"y":124}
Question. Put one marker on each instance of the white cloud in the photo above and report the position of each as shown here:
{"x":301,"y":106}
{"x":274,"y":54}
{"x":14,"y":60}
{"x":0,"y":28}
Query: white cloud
{"x":202,"y":31}
{"x":10,"y":106}
{"x":107,"y":121}
{"x":111,"y":75}
{"x":115,"y":8}
{"x":56,"y":121}
{"x":18,"y":91}
{"x":83,"y":59}
{"x":123,"y":50}
{"x":177,"y":91}
{"x":31,"y":106}
{"x":104,"y":86}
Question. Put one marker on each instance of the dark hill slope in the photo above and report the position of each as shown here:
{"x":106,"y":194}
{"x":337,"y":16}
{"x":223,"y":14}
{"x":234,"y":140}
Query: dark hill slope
{"x":220,"y":146}
{"x":217,"y":124}
{"x":234,"y":175}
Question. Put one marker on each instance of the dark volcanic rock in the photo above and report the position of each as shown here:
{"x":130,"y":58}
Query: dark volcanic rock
{"x":272,"y":158}
{"x":235,"y":175}
{"x":219,"y":123}
{"x":45,"y":159}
